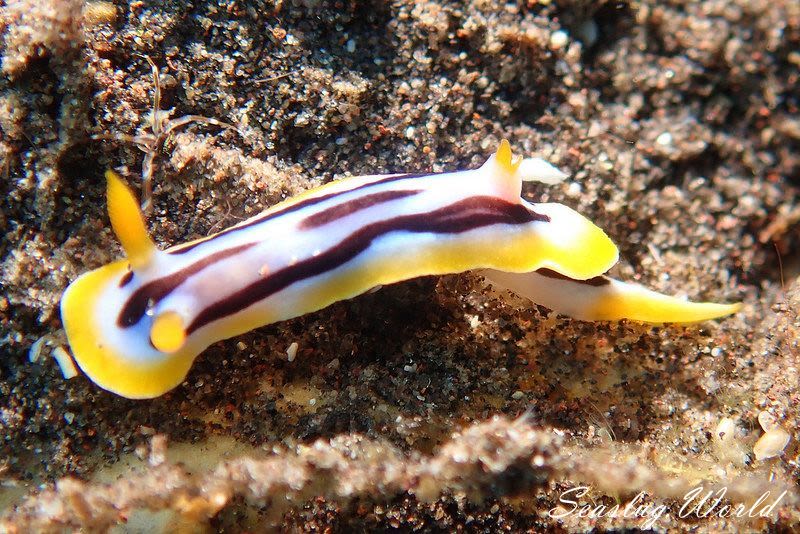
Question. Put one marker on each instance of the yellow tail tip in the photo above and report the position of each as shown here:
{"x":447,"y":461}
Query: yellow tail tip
{"x":128,"y":222}
{"x":630,"y":301}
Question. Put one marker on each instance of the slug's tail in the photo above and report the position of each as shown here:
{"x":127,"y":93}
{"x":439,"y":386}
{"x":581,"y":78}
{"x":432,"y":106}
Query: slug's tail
{"x":603,"y":298}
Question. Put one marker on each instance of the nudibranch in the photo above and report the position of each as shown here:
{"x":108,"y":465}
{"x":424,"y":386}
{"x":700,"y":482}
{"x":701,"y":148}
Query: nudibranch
{"x":136,"y":325}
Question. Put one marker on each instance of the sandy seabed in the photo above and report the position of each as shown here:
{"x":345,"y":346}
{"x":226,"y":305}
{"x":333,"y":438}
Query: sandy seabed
{"x":435,"y":404}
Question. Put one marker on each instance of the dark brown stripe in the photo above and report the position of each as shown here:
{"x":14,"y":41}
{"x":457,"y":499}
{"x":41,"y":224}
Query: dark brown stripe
{"x":344,"y":209}
{"x":597,"y":281}
{"x":468,"y":214}
{"x":126,"y":279}
{"x":152,"y":292}
{"x":258,"y":219}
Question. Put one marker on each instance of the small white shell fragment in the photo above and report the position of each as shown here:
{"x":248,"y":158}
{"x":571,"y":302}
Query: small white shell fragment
{"x":291,"y":352}
{"x":767,"y":421}
{"x":65,"y":362}
{"x":558,"y":39}
{"x":771,"y":444}
{"x":726,"y":447}
{"x":538,"y":170}
{"x":574,"y":190}
{"x":36,"y":350}
{"x":665,"y":139}
{"x":725,"y":430}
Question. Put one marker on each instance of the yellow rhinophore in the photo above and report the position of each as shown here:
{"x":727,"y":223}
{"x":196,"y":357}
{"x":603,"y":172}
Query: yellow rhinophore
{"x":128,"y":222}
